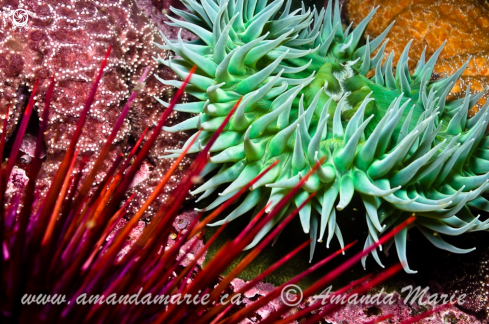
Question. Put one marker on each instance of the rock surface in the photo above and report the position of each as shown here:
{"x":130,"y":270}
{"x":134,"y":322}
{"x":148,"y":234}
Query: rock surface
{"x":68,"y":39}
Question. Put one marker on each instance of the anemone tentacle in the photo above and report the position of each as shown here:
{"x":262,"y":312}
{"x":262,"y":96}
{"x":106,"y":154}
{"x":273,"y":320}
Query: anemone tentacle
{"x":392,"y":139}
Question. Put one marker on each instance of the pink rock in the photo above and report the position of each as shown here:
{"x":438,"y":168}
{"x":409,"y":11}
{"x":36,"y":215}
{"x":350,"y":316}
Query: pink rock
{"x":189,"y":251}
{"x":17,"y":181}
{"x":142,"y":174}
{"x":28,"y":146}
{"x":132,"y":237}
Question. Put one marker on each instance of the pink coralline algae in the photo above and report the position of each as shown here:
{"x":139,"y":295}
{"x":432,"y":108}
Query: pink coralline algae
{"x":189,"y":250}
{"x":67,"y":39}
{"x":142,"y":174}
{"x":400,"y":311}
{"x":28,"y":146}
{"x":132,"y":237}
{"x":16,"y":182}
{"x":360,"y":313}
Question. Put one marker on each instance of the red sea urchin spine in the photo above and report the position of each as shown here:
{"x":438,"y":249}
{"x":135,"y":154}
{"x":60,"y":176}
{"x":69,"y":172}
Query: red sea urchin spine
{"x":226,"y":204}
{"x":361,"y":290}
{"x":62,"y":171}
{"x":3,"y":248}
{"x":380,"y":319}
{"x":195,"y":230}
{"x":321,"y":284}
{"x":15,"y":277}
{"x":416,"y":318}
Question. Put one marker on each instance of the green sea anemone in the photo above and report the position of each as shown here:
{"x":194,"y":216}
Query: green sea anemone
{"x":393,"y":139}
